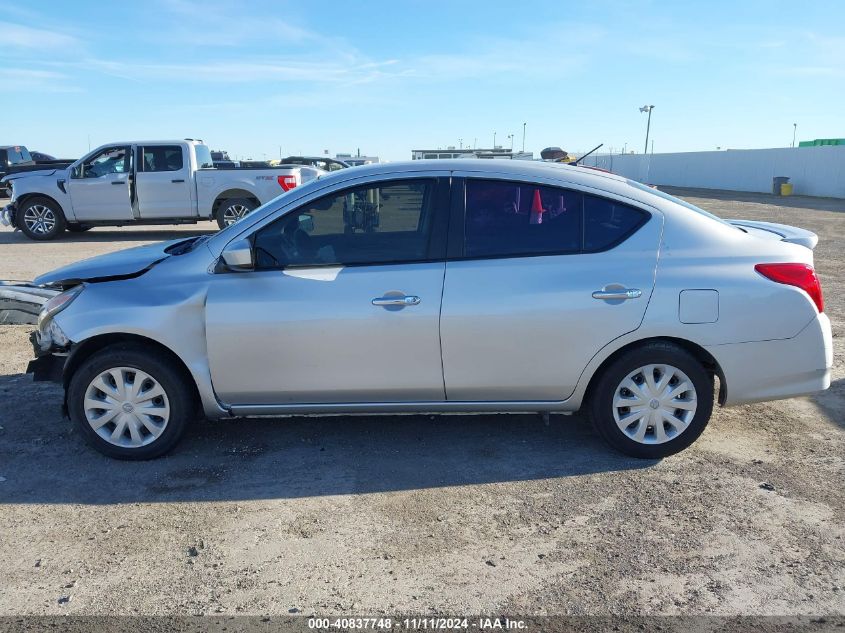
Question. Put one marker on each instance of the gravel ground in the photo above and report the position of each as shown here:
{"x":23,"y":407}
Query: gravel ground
{"x":423,"y":514}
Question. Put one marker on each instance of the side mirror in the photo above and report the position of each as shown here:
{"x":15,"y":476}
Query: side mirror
{"x":238,"y":256}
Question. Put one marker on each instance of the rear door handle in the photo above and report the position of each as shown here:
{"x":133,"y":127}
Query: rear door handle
{"x":396,"y":301}
{"x":118,"y":182}
{"x":618,"y":295}
{"x":178,"y":180}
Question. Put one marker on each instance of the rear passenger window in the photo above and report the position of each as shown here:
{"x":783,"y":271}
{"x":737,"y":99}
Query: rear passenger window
{"x":510,"y":219}
{"x":607,"y":222}
{"x":162,"y":158}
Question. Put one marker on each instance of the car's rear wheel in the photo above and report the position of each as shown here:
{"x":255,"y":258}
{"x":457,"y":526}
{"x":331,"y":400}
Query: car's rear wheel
{"x":130,"y":403}
{"x":232,"y":210}
{"x":40,"y":218}
{"x":652,"y":401}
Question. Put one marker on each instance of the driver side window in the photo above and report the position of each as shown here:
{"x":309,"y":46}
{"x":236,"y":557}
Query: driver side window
{"x":388,"y":222}
{"x":114,"y":160}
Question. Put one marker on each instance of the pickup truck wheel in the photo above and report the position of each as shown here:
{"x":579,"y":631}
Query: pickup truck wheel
{"x":41,"y":219}
{"x":653,"y":401}
{"x":232,"y":210}
{"x":130,"y":403}
{"x":78,"y":228}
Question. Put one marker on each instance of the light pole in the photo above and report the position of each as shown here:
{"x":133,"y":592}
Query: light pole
{"x":460,"y":143}
{"x":510,"y":136}
{"x":523,"y":136}
{"x":647,"y":108}
{"x":794,"y":132}
{"x":494,"y":140}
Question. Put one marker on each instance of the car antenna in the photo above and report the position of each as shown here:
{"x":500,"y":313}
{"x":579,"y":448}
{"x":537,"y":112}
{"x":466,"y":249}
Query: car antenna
{"x":588,"y":153}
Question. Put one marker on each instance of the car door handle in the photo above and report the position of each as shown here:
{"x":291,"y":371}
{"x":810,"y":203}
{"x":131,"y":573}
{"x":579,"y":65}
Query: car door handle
{"x":178,"y":180}
{"x":618,"y":295}
{"x":396,"y":301}
{"x":118,"y":182}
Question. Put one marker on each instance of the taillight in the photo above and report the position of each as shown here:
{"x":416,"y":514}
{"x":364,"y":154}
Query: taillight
{"x":286,"y":182}
{"x":799,"y":275}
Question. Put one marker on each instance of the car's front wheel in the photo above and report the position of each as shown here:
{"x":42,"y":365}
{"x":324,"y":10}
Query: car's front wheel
{"x":40,"y":218}
{"x":130,"y":403}
{"x":652,"y":401}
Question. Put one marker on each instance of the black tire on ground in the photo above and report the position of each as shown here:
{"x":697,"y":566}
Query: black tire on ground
{"x":177,"y":386}
{"x":47,"y":211}
{"x":600,"y":406}
{"x":73,"y":227}
{"x":232,"y":207}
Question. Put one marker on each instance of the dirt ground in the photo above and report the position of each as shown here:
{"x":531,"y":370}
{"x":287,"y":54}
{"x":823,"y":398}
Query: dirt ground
{"x":423,"y":514}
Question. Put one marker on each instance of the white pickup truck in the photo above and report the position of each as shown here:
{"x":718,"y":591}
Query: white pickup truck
{"x":144,"y":182}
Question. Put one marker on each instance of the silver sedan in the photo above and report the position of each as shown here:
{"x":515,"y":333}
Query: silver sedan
{"x":442,"y":286}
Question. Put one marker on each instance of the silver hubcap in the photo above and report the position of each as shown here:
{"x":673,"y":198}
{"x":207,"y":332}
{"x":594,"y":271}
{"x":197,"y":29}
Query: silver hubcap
{"x":126,"y":407}
{"x":233,"y":213}
{"x":654,"y":404}
{"x":39,"y":219}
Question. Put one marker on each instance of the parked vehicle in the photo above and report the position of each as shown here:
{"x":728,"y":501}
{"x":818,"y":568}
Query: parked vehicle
{"x":15,"y":159}
{"x":142,"y":182}
{"x":323,"y":162}
{"x":446,"y":286}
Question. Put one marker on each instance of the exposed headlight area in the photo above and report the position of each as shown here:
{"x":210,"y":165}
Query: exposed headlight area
{"x":49,"y":335}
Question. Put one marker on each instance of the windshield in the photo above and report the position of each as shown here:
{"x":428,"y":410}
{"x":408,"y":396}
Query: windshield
{"x":301,"y":190}
{"x":683,"y":203}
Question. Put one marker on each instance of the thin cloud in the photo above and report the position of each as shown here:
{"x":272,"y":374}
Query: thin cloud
{"x":33,"y":80}
{"x":26,"y":38}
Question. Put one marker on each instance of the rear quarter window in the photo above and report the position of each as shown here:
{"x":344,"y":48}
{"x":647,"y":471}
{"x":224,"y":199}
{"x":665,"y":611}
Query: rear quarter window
{"x":608,"y":222}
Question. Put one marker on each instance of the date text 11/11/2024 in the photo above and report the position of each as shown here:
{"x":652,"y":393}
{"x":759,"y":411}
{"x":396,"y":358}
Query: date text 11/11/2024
{"x":418,"y":624}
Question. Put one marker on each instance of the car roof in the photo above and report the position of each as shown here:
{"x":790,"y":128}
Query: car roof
{"x":507,"y":168}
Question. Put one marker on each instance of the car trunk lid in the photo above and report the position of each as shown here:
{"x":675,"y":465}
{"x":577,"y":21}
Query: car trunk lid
{"x":781,"y":232}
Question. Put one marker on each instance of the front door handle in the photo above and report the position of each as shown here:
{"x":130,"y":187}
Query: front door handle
{"x":178,"y":180}
{"x":396,"y":301}
{"x":618,"y":295}
{"x":118,"y":182}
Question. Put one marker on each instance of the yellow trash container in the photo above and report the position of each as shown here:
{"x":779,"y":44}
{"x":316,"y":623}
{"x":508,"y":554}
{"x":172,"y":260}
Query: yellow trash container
{"x":786,"y":189}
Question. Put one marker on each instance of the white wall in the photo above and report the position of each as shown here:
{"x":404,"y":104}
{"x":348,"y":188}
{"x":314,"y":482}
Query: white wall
{"x":813,"y":171}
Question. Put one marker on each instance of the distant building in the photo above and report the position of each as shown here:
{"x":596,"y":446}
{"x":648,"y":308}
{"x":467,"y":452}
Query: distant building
{"x":356,"y":160}
{"x":466,"y":152}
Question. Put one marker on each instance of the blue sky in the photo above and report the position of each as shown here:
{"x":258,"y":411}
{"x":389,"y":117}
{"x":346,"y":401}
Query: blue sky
{"x":390,"y":76}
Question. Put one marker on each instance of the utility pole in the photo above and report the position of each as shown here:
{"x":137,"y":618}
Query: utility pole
{"x":647,"y":108}
{"x":523,"y":136}
{"x":494,"y":140}
{"x":510,"y":136}
{"x":794,"y":132}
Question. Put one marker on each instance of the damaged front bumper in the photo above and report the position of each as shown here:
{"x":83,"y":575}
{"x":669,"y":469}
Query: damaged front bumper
{"x":21,"y":302}
{"x":48,"y":365}
{"x":7,"y":215}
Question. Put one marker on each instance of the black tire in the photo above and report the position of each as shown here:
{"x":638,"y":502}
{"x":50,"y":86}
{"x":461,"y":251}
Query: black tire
{"x":227,"y":206}
{"x":176,"y":384}
{"x":602,"y":396}
{"x":37,"y":204}
{"x":72,"y":227}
